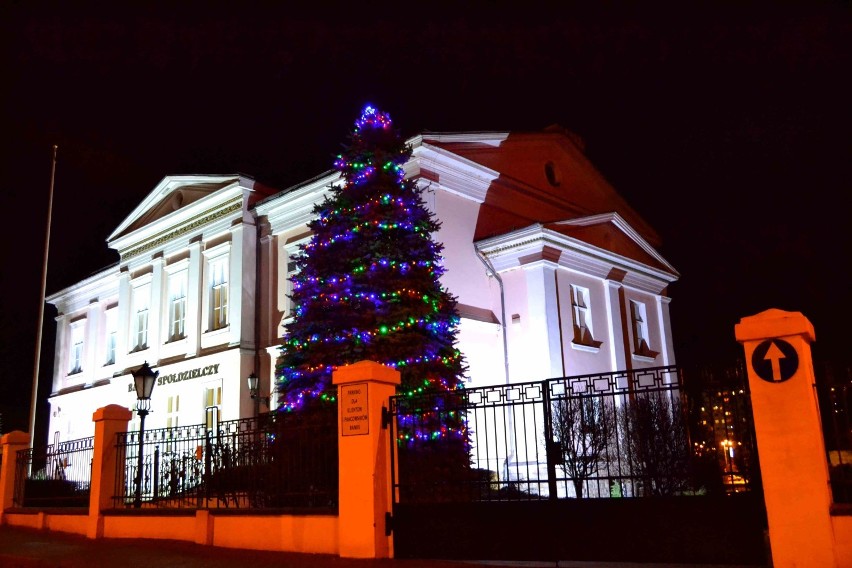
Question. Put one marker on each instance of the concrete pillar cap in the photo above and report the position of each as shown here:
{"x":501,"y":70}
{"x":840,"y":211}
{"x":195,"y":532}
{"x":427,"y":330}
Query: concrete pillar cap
{"x":774,"y":323}
{"x":15,"y":437}
{"x":363,"y":371}
{"x":111,"y":412}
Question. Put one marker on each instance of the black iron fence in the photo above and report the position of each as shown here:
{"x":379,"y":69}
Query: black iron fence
{"x":834,"y":391}
{"x":650,"y":432}
{"x":636,"y":433}
{"x":276,"y":460}
{"x":57,"y":475}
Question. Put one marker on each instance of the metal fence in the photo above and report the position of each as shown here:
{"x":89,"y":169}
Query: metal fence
{"x":634,"y":433}
{"x":834,"y":391}
{"x":58,"y":475}
{"x":276,"y":460}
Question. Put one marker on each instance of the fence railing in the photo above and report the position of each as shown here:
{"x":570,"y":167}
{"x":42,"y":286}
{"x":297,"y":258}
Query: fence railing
{"x":57,"y":475}
{"x":626,"y":434}
{"x":834,"y":390}
{"x":275,"y":460}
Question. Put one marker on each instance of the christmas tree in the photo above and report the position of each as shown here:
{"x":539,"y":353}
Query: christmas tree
{"x":367,"y":283}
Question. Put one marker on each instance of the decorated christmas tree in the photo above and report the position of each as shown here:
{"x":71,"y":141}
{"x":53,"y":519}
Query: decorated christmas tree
{"x":367,"y":286}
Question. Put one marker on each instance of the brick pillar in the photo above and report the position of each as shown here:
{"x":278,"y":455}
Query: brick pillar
{"x":109,"y":421}
{"x":363,"y":390}
{"x":790,"y":443}
{"x":10,"y":444}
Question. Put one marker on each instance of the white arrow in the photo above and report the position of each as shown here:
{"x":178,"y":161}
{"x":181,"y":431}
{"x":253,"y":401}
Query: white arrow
{"x":774,"y":356}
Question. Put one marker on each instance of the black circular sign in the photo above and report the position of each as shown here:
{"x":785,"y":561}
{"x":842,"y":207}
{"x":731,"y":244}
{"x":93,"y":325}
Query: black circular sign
{"x":775,"y":360}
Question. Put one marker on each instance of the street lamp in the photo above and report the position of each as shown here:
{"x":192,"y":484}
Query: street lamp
{"x":254,"y":392}
{"x":728,"y":451}
{"x":143,"y":379}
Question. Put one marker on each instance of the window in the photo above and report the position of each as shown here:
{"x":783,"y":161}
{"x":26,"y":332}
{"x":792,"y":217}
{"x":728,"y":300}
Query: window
{"x":640,"y":330}
{"x":172,"y":410}
{"x":75,"y":363}
{"x":212,"y":401}
{"x":581,"y":317}
{"x":219,"y":292}
{"x":141,"y":303}
{"x":289,"y":254}
{"x":177,"y":305}
{"x":111,"y":330}
{"x":288,"y":287}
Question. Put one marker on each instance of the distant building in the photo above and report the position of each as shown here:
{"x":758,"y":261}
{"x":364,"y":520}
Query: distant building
{"x":544,"y":257}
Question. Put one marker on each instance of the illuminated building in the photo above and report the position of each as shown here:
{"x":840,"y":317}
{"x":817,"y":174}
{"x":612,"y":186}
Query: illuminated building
{"x":543,"y":255}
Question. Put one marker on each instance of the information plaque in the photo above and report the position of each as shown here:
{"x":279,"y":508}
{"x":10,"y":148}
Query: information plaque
{"x":354,"y":410}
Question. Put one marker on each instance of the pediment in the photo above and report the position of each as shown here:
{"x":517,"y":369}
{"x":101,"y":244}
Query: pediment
{"x":543,"y":177}
{"x":172,"y":194}
{"x":598,"y":245}
{"x":613,"y":234}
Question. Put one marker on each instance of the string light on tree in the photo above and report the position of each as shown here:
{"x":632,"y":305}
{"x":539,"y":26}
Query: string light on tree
{"x":367,"y":284}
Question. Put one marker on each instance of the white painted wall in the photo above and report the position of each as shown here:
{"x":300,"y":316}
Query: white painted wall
{"x":535,"y":297}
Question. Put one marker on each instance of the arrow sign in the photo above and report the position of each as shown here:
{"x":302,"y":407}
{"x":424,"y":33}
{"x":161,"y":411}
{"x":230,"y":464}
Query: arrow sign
{"x":774,"y":356}
{"x":775,"y":360}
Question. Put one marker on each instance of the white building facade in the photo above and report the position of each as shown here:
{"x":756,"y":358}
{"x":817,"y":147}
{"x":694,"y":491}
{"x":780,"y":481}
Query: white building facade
{"x":554,"y":273}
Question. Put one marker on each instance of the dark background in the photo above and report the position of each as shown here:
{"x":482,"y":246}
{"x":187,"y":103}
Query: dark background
{"x":725,"y":125}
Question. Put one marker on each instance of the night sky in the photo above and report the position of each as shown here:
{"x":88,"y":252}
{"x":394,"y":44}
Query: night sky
{"x":727,"y":127}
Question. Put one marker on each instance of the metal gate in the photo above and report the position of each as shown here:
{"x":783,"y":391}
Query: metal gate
{"x":630,"y":466}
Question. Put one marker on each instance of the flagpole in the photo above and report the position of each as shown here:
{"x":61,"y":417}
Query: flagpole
{"x":34,"y":397}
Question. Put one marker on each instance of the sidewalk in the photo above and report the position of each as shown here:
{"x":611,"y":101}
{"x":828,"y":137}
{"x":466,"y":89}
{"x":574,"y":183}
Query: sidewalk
{"x":27,"y":548}
{"x":30,"y":548}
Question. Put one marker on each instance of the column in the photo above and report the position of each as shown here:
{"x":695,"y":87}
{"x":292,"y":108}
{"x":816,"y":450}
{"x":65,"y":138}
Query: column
{"x":363,"y":390}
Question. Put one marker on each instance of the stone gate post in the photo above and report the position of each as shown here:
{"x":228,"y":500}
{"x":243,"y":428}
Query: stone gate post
{"x":10,"y":444}
{"x":109,"y":421}
{"x":790,"y":443}
{"x":363,"y":390}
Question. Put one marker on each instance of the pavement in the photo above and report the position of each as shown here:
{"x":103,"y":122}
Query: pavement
{"x":29,"y":548}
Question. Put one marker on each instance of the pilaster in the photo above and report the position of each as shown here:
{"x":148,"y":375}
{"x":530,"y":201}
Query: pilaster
{"x":617,"y":325}
{"x":543,"y":342}
{"x":124,"y":324}
{"x":194,"y":277}
{"x":156,"y":310}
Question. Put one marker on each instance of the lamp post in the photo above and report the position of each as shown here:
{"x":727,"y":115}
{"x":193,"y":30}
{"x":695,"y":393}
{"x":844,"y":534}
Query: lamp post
{"x":728,"y":451}
{"x":254,"y":391}
{"x":143,"y":379}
